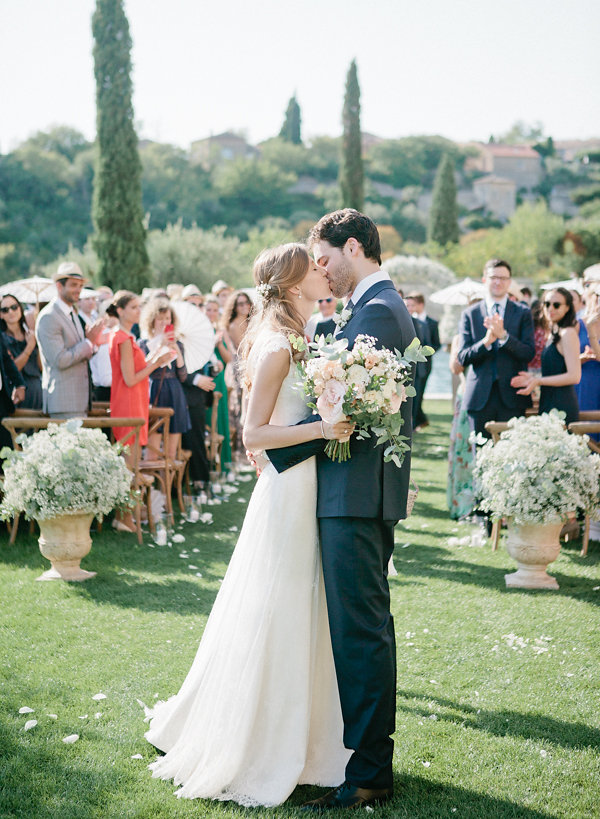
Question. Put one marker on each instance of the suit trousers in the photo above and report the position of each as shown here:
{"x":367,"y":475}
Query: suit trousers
{"x":355,"y":553}
{"x":494,"y":410}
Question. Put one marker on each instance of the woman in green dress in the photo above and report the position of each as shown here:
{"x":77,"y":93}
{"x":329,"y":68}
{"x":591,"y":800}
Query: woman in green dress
{"x":211,"y":308}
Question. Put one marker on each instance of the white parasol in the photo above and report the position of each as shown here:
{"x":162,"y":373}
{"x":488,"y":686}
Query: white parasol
{"x":195,"y":333}
{"x":32,"y":290}
{"x":460,"y":293}
{"x":568,"y":284}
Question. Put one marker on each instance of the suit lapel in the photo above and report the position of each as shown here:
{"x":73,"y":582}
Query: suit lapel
{"x":370,"y":294}
{"x":66,"y":320}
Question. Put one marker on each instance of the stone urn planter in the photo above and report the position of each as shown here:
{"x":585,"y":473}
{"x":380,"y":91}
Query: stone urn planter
{"x":64,"y":541}
{"x":533,"y":546}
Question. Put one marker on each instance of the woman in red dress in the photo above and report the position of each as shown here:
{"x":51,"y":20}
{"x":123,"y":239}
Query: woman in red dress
{"x":130,"y":390}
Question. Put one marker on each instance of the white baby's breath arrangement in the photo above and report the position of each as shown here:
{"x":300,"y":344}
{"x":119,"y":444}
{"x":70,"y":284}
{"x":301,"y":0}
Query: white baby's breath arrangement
{"x":65,"y":468}
{"x":537,"y":472}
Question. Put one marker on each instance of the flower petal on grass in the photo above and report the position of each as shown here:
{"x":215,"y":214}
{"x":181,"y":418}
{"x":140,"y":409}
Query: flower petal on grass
{"x":31,"y":723}
{"x":70,"y":739}
{"x":52,"y":716}
{"x":178,"y":538}
{"x":26,"y":710}
{"x":137,"y":756}
{"x":99,"y":697}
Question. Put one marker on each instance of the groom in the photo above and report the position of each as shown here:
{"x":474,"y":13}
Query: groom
{"x":359,"y":503}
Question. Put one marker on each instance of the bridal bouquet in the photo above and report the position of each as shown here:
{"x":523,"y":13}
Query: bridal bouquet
{"x":367,"y":384}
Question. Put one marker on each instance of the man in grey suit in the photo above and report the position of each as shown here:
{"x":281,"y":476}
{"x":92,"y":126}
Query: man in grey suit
{"x":65,"y":347}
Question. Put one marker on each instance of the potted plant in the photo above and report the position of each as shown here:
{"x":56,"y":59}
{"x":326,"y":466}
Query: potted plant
{"x":537,"y":476}
{"x":64,"y":476}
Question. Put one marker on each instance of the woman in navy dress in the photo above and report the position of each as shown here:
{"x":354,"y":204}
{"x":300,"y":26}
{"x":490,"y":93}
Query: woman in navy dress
{"x":20,"y":342}
{"x":166,"y":388}
{"x":561,"y":366}
{"x":588,"y":390}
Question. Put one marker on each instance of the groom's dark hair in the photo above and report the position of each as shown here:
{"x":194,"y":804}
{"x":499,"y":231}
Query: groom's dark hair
{"x":341,"y":225}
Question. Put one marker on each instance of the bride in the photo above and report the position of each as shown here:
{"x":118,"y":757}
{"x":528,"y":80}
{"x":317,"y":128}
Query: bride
{"x":259,"y":710}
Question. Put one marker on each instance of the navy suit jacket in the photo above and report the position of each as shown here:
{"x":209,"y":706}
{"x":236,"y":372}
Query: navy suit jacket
{"x":364,"y":486}
{"x":501,"y":362}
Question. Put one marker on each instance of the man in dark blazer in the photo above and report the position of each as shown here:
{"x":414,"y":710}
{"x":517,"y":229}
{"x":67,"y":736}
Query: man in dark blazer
{"x":496,"y":342}
{"x":359,"y":503}
{"x":430,"y":335}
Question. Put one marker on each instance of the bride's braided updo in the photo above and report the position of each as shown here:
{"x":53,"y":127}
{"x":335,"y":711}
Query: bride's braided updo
{"x":275,"y":271}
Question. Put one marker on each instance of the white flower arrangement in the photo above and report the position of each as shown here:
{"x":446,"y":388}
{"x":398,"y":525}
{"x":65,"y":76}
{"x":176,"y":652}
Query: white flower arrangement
{"x":537,"y":472}
{"x":368,"y":384}
{"x":64,"y":468}
{"x":263,"y":291}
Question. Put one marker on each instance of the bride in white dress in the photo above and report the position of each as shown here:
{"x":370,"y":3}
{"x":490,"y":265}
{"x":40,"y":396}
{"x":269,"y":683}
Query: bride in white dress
{"x":259,"y":711}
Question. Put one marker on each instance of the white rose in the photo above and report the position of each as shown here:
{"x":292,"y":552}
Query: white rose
{"x":357,"y":374}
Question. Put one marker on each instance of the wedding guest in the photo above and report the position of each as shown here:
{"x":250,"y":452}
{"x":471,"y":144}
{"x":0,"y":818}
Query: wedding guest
{"x":192,"y":294}
{"x":158,"y":326}
{"x":578,"y":302}
{"x":12,"y":390}
{"x":65,"y":348}
{"x":497,"y":340}
{"x":540,"y":335}
{"x":222,"y":291}
{"x":87,"y":306}
{"x":588,"y":389}
{"x":211,"y":309}
{"x":100,"y":366}
{"x":21,"y":345}
{"x":415,"y":302}
{"x":129,"y":396}
{"x":561,"y":367}
{"x":459,"y":489}
{"x":234,"y":323}
{"x":322,"y":323}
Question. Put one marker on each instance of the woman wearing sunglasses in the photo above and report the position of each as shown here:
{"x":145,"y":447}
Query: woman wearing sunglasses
{"x":22,"y":348}
{"x":561,"y":366}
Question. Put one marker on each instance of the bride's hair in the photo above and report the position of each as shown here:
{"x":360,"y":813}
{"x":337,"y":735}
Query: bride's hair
{"x":275,"y":271}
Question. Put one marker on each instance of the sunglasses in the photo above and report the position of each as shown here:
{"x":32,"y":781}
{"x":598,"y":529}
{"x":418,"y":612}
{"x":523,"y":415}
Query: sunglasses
{"x":556,"y":304}
{"x":325,"y":301}
{"x":5,"y":310}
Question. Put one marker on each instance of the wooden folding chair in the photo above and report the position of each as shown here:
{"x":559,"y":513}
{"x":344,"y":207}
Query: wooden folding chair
{"x":215,"y":438}
{"x":19,"y":424}
{"x":587,"y":428}
{"x":182,"y":474}
{"x":155,"y":461}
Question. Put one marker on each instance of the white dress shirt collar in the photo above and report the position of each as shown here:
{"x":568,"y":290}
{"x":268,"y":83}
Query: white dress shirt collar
{"x":489,"y":304}
{"x":368,"y":281}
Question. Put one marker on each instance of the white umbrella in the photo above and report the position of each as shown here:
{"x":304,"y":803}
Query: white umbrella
{"x":460,"y":293}
{"x":195,"y":333}
{"x":34,"y":289}
{"x":568,"y":284}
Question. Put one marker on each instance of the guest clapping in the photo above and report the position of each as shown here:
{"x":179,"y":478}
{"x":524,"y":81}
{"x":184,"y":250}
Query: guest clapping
{"x":158,"y":325}
{"x":561,"y":367}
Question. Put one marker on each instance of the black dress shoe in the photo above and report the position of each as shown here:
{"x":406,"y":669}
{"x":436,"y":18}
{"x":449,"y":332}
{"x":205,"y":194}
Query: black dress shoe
{"x":349,"y":796}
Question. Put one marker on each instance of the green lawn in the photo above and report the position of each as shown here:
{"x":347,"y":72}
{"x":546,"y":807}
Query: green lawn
{"x":498,"y":691}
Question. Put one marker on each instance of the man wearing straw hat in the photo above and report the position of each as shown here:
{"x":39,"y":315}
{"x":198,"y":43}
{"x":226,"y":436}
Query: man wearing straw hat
{"x":65,"y":347}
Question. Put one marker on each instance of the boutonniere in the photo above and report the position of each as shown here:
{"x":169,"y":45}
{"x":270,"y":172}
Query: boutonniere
{"x":342,"y":318}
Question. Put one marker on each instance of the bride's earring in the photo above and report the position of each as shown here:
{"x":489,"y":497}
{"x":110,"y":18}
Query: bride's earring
{"x":299,"y":295}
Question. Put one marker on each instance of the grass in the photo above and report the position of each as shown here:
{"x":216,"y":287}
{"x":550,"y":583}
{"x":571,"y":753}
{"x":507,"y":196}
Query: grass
{"x":497,"y":690}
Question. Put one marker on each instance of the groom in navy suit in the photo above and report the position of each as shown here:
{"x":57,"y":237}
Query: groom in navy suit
{"x":359,"y":503}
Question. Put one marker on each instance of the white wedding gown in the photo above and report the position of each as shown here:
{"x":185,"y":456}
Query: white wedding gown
{"x":259,"y":710}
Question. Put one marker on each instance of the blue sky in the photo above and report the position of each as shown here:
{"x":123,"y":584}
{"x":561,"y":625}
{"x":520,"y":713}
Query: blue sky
{"x":463,"y":69}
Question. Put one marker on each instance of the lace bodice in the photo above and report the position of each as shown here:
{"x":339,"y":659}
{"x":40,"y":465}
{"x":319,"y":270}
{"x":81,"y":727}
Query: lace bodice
{"x":291,"y":403}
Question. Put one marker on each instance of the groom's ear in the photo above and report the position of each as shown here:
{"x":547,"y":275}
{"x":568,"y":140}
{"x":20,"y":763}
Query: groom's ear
{"x":353,"y":246}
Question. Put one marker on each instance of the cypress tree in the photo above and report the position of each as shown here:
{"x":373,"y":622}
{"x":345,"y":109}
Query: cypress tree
{"x":117,"y":211}
{"x":290,"y":130}
{"x":443,"y":216}
{"x":351,"y":167}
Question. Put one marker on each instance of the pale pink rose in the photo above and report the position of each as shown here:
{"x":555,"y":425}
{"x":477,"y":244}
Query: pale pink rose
{"x":395,"y":402}
{"x":371,"y":360}
{"x":330,"y":402}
